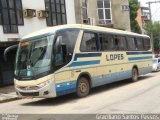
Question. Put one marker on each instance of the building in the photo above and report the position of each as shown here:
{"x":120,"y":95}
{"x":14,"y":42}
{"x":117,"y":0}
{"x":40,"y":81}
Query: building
{"x":107,"y":13}
{"x":20,"y":17}
{"x":143,"y":18}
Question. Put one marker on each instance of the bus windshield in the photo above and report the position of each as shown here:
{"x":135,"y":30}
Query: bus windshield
{"x":34,"y":57}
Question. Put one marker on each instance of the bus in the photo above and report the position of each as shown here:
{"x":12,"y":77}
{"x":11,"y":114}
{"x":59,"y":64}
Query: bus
{"x":76,"y":58}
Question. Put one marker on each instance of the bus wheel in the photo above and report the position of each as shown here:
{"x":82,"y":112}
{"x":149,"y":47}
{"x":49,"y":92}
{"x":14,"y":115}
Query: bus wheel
{"x":134,"y":75}
{"x":83,"y":87}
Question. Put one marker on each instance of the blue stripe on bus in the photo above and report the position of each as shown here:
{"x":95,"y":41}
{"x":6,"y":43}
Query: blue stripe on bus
{"x":87,"y":55}
{"x":83,"y":63}
{"x":138,"y":53}
{"x":139,"y":58}
{"x":64,"y":86}
{"x":99,"y":80}
{"x":66,"y":89}
{"x":64,"y":92}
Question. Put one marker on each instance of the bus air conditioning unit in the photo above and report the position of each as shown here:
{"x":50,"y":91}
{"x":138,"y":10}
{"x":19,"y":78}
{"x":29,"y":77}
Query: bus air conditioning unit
{"x":91,"y":21}
{"x":29,"y":13}
{"x":42,"y":14}
{"x":85,"y":21}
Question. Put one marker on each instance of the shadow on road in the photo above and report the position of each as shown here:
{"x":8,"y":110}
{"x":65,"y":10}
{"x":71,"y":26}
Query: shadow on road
{"x":71,"y":98}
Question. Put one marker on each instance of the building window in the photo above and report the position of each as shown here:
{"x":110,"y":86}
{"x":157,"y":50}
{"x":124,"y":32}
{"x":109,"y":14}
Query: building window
{"x":56,"y":12}
{"x":84,"y":12}
{"x":125,"y":7}
{"x":11,"y":15}
{"x":104,"y":11}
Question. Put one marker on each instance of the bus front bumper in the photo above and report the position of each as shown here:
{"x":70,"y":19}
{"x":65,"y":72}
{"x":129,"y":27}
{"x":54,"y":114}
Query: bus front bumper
{"x":43,"y":91}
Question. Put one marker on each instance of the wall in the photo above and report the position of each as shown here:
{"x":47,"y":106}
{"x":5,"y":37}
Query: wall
{"x":121,"y":19}
{"x":78,"y":12}
{"x":70,"y":10}
{"x":92,"y":10}
{"x":34,"y":24}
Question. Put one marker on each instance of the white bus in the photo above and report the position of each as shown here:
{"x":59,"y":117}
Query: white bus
{"x":75,"y":58}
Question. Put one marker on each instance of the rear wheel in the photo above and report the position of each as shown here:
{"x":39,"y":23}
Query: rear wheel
{"x":83,"y":87}
{"x":134,"y":75}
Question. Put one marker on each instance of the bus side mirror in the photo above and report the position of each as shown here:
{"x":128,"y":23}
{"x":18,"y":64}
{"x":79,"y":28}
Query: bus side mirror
{"x":8,"y":50}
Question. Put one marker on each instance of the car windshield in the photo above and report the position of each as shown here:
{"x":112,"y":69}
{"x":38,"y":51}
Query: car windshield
{"x":34,"y":57}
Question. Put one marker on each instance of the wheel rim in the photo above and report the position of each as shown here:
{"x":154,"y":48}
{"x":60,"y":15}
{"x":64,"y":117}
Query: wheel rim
{"x":83,"y":87}
{"x":135,"y":74}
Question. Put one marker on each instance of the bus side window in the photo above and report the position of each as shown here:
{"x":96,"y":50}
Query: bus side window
{"x":89,"y":42}
{"x":131,"y":43}
{"x":147,"y":44}
{"x":120,"y":42}
{"x":107,"y":42}
{"x":139,"y":44}
{"x":64,"y":48}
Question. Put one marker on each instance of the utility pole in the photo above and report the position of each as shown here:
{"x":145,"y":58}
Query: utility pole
{"x":159,"y":35}
{"x":150,"y":17}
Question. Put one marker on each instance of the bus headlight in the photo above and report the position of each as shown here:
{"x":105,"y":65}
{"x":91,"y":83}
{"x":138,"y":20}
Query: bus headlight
{"x":43,"y":84}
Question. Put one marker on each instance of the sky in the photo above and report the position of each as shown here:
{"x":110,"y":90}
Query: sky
{"x":155,"y":8}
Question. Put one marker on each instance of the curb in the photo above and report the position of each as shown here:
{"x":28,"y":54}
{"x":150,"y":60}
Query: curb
{"x":9,"y":100}
{"x":8,"y":97}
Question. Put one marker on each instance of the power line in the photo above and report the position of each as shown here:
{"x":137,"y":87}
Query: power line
{"x":155,"y":12}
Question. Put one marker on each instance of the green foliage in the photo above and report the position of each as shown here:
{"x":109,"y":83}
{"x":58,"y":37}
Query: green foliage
{"x":134,"y":6}
{"x":156,"y":34}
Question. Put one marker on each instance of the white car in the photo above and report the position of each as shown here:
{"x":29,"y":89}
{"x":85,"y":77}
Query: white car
{"x":156,"y":64}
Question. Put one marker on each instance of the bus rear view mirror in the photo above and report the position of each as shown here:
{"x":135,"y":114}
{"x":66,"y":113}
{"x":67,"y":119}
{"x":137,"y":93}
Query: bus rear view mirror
{"x":7,"y":50}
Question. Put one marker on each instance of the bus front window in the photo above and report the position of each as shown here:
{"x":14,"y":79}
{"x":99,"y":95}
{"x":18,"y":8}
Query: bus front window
{"x":34,"y":57}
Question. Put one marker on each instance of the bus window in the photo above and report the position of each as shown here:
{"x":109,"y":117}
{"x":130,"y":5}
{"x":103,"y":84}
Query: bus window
{"x":89,"y":43}
{"x":107,"y":42}
{"x":131,"y":43}
{"x":120,"y":42}
{"x":63,"y":53}
{"x":147,"y":44}
{"x":139,"y":44}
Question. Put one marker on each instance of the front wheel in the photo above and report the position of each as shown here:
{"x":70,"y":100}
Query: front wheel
{"x":83,"y":87}
{"x":134,"y":75}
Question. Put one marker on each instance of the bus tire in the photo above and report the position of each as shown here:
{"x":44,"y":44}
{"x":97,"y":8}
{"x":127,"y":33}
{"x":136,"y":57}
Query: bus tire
{"x":83,"y":87}
{"x":135,"y":75}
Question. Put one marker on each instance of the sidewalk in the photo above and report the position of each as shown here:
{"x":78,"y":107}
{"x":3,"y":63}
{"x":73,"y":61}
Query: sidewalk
{"x":7,"y":94}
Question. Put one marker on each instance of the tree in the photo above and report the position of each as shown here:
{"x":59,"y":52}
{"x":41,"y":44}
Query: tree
{"x":134,"y":6}
{"x":156,"y":34}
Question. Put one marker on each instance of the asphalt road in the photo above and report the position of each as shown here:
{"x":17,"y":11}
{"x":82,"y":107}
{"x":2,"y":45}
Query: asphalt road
{"x":121,"y":97}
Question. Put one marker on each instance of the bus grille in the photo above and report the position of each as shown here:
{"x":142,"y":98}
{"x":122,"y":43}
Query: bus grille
{"x":29,"y":88}
{"x":30,"y":94}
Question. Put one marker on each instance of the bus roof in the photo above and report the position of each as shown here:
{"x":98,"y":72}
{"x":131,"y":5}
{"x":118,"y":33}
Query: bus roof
{"x":52,"y":30}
